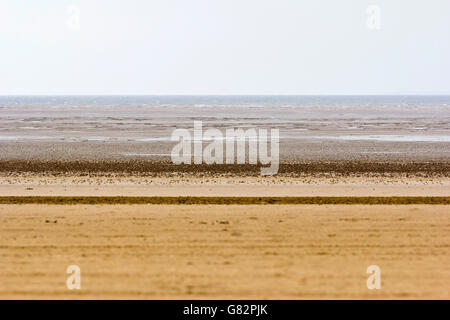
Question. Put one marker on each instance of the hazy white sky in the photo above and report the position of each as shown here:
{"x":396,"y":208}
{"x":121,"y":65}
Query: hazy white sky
{"x":224,"y":47}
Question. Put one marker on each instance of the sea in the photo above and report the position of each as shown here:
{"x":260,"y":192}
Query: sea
{"x":329,"y":120}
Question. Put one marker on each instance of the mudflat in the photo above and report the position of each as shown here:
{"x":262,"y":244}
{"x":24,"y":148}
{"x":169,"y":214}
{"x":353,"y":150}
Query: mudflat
{"x":224,"y":251}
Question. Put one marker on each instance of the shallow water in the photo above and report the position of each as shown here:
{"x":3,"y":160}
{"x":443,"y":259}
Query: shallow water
{"x":153,"y":118}
{"x":365,"y":122}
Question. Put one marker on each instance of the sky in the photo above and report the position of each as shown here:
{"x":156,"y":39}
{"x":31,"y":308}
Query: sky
{"x":224,"y":47}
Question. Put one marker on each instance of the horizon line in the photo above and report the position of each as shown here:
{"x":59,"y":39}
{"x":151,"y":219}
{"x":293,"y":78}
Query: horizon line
{"x":225,"y":95}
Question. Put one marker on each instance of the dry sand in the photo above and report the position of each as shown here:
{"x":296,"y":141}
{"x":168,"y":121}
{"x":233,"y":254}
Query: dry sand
{"x":34,"y":185}
{"x":215,"y":252}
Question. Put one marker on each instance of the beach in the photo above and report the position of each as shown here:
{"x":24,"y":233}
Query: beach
{"x":224,"y":252}
{"x":220,"y":155}
{"x":220,"y":186}
{"x":89,"y":181}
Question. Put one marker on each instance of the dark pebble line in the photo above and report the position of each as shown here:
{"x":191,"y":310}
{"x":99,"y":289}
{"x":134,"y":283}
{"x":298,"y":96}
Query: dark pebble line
{"x":224,"y":200}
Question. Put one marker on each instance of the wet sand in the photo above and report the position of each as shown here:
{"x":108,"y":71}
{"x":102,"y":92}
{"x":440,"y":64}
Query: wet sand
{"x":166,"y":169}
{"x":217,"y":252}
{"x":291,"y":150}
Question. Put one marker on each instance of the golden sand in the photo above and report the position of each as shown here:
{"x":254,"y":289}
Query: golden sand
{"x":224,"y":251}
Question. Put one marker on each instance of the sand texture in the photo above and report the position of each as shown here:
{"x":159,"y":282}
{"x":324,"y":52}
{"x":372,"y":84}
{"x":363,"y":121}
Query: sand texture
{"x":233,"y":252}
